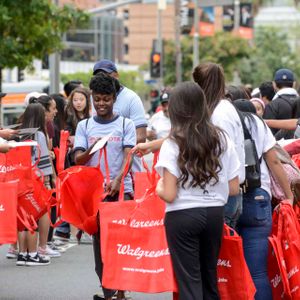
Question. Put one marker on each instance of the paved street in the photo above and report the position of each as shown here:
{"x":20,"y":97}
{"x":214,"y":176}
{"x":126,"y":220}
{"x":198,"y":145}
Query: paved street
{"x":69,"y":277}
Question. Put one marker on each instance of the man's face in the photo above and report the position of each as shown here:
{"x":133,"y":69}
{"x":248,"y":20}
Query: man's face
{"x":103,"y":104}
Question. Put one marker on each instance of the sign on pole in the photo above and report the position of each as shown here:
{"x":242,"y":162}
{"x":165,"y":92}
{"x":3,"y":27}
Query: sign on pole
{"x":204,"y":3}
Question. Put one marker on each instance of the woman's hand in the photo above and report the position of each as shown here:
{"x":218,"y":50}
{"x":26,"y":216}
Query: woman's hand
{"x":141,"y":149}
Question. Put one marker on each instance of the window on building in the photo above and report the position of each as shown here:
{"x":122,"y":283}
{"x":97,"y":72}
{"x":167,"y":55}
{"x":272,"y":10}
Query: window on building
{"x":126,"y":49}
{"x":126,"y":31}
{"x":126,"y":14}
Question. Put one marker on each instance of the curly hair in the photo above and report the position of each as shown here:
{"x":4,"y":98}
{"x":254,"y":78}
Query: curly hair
{"x":199,"y":141}
{"x":104,"y":84}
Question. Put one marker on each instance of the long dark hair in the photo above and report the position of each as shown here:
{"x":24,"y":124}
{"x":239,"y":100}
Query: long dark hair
{"x":71,"y":114}
{"x":199,"y":141}
{"x":210,"y":77}
{"x":44,"y":100}
{"x":34,"y":117}
{"x":59,"y":119}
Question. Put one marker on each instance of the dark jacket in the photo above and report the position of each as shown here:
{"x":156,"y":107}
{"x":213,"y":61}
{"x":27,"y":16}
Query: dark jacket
{"x":283,"y":107}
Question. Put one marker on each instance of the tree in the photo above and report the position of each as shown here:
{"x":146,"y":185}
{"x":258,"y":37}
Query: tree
{"x":131,"y":79}
{"x":223,"y":48}
{"x":271,"y":52}
{"x":32,"y":28}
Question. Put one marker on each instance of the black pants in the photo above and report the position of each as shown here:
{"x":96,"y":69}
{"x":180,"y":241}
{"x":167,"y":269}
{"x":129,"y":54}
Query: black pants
{"x":194,"y":238}
{"x":97,"y":249}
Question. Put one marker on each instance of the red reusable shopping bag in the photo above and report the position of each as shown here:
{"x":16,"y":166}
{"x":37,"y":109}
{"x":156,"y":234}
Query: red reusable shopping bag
{"x":138,"y":259}
{"x":286,"y":237}
{"x":34,"y":203}
{"x":277,"y":271}
{"x":16,"y":165}
{"x":8,"y":212}
{"x":234,"y":278}
{"x":81,"y":189}
{"x":290,"y":242}
{"x":120,"y":211}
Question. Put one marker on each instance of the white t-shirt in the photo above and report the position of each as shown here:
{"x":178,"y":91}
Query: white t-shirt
{"x":213,"y":195}
{"x":160,"y":124}
{"x":264,"y":141}
{"x":226,"y":117}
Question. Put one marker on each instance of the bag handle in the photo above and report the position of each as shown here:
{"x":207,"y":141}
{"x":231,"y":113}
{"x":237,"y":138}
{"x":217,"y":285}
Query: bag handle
{"x":126,"y":169}
{"x":64,"y":135}
{"x":28,"y":221}
{"x":228,"y":231}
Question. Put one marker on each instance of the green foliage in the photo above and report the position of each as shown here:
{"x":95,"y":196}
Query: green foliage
{"x":223,"y":48}
{"x":30,"y":29}
{"x":82,"y":76}
{"x":271,"y":52}
{"x":130,"y":79}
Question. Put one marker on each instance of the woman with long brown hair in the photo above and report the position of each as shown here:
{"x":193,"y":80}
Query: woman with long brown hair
{"x":210,"y":77}
{"x":199,"y":169}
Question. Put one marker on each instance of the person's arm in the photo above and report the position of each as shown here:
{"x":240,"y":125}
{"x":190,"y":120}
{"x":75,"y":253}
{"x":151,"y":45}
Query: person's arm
{"x":82,"y":157}
{"x":289,"y":124}
{"x":114,"y":186}
{"x":141,"y":134}
{"x":166,"y":187}
{"x":234,"y":186}
{"x":7,"y":133}
{"x":277,"y":170}
{"x":145,"y":148}
{"x":5,"y":147}
{"x":151,"y":135}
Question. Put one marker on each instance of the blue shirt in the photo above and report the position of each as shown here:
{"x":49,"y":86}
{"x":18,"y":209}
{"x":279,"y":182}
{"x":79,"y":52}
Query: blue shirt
{"x":123,"y":136}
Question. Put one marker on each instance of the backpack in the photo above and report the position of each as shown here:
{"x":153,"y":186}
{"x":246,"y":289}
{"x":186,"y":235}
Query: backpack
{"x":252,"y":162}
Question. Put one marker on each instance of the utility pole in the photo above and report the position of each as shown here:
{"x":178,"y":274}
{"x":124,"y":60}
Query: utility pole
{"x":161,"y":5}
{"x":236,"y":15}
{"x":178,"y":54}
{"x":196,"y":35}
{"x":54,"y":71}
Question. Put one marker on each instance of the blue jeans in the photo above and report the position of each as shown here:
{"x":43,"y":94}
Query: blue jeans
{"x":233,"y":209}
{"x":255,"y":226}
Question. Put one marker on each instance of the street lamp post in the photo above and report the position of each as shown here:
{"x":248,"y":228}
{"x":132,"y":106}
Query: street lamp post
{"x":196,"y":35}
{"x":178,"y":54}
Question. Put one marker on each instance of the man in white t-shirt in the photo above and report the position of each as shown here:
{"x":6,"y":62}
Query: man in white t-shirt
{"x":160,"y":125}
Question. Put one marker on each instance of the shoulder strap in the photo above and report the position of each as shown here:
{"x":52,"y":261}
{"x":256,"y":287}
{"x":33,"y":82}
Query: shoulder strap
{"x":123,"y":131}
{"x":247,"y":135}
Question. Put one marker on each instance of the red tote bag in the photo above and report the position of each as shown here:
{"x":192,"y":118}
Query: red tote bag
{"x":138,"y":259}
{"x":290,"y":243}
{"x":81,"y":190}
{"x":8,"y":212}
{"x":234,"y":278}
{"x":277,"y":271}
{"x":36,"y":202}
{"x":120,"y":211}
{"x":16,"y":165}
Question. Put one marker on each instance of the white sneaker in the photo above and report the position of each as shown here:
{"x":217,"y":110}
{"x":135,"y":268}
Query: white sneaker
{"x":60,"y":249}
{"x":86,"y":239}
{"x":47,"y":251}
{"x":12,"y":253}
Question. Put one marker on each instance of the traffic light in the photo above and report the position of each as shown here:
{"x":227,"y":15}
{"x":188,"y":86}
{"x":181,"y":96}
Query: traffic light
{"x":20,"y":75}
{"x":155,"y":64}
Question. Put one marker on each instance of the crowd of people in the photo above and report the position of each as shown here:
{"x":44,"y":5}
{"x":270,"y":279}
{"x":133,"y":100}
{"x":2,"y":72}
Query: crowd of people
{"x":200,"y":128}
